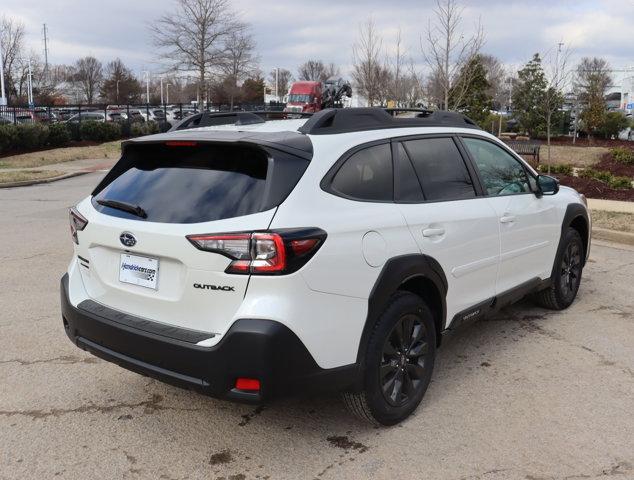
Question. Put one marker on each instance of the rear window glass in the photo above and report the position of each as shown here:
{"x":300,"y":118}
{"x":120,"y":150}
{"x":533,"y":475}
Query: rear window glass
{"x":189,"y":184}
{"x":367,"y":175}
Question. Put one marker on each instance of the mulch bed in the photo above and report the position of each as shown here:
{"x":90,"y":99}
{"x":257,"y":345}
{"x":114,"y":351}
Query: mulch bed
{"x":593,"y":188}
{"x":614,"y":167}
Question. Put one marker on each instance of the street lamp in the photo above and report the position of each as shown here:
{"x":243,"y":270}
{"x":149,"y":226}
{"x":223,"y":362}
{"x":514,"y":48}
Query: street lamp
{"x":3,"y":98}
{"x":147,"y":86}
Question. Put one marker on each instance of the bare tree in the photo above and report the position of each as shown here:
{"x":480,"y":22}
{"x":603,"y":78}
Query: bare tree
{"x":448,"y":51}
{"x":12,"y":39}
{"x":557,"y":74}
{"x":311,"y":70}
{"x":239,"y":60}
{"x":368,"y":67}
{"x":399,"y":78}
{"x":496,"y":76}
{"x":89,"y":74}
{"x":283,"y":78}
{"x":191,"y":36}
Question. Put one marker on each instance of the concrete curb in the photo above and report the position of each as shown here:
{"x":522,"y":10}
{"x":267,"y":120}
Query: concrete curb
{"x":613,"y":236}
{"x":27,"y":183}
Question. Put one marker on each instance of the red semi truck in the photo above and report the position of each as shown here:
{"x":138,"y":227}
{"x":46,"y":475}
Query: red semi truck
{"x":304,"y":97}
{"x":310,"y":96}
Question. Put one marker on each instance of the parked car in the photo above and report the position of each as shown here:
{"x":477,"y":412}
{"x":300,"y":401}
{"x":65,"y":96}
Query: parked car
{"x":45,"y":115}
{"x":86,"y":116}
{"x":259,"y":259}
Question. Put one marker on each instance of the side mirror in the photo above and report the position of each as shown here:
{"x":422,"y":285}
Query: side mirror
{"x":547,"y":185}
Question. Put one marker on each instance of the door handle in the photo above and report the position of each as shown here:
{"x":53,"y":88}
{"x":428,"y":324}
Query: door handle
{"x":433,"y":232}
{"x":507,"y":218}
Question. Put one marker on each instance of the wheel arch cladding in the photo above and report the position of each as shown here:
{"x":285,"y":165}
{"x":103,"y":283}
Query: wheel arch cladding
{"x":576,"y":217}
{"x":419,"y":274}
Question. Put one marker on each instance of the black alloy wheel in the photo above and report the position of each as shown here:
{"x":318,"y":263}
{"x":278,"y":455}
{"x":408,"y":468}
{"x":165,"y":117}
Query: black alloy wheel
{"x":402,"y":368}
{"x":570,"y":275}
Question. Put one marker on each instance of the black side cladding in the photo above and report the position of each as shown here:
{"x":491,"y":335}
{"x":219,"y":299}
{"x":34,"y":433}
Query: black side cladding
{"x":395,"y":273}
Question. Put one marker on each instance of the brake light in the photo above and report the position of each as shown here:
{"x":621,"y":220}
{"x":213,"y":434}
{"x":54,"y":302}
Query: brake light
{"x":77,"y":223}
{"x":264,"y":253}
{"x":180,"y":143}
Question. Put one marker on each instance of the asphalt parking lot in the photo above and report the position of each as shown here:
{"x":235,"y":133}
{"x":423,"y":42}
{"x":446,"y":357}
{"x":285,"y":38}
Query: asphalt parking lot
{"x":530,"y":394}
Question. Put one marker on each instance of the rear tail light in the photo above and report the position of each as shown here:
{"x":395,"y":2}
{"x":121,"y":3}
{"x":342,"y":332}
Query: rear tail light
{"x":248,"y":384}
{"x":77,"y":223}
{"x":265,"y":253}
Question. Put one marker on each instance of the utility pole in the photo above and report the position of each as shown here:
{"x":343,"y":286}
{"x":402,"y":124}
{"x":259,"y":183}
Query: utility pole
{"x":167,"y":93}
{"x":117,"y":92}
{"x":3,"y":98}
{"x":162,"y":103}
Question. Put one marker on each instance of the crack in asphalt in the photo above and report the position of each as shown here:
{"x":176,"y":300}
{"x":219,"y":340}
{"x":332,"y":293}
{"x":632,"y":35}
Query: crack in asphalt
{"x":531,"y":326}
{"x":150,"y":406}
{"x":61,"y":360}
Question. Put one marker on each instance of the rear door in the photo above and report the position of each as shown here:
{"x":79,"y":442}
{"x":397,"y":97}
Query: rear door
{"x":448,"y":220}
{"x":141,"y":263}
{"x":529,"y":228}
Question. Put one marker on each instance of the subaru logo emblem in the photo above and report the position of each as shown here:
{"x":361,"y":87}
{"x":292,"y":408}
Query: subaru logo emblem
{"x":127,"y":239}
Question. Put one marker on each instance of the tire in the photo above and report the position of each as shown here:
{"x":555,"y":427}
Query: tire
{"x":566,"y":278}
{"x":398,"y":364}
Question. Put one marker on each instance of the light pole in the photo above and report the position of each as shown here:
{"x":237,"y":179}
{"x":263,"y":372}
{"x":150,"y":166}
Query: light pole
{"x":3,"y":98}
{"x":30,"y":86}
{"x":162,"y":103}
{"x":147,"y":86}
{"x":117,"y":92}
{"x":167,"y":93}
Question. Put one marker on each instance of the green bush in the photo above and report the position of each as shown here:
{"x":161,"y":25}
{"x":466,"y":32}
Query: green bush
{"x":146,"y":128}
{"x":623,"y":155}
{"x":612,"y":124}
{"x":562,"y":169}
{"x":8,"y":137}
{"x":604,"y":176}
{"x":621,"y":182}
{"x":99,"y":131}
{"x":58,"y":135}
{"x":31,"y":136}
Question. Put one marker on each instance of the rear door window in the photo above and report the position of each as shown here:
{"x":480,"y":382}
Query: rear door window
{"x":190,"y":184}
{"x":366,"y":175}
{"x":440,"y":168}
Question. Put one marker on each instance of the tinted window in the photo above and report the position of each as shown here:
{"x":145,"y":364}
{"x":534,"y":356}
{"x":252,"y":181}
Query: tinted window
{"x":367,"y":174}
{"x":408,"y":186}
{"x":501,"y":173}
{"x":188,"y":184}
{"x":440,"y":168}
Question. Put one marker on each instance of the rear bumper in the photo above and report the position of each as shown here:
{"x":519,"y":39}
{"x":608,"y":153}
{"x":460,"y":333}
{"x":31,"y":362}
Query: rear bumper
{"x":252,"y":348}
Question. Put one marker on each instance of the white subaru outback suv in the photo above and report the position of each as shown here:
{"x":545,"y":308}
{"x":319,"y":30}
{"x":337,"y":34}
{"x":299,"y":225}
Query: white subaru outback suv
{"x":257,"y":259}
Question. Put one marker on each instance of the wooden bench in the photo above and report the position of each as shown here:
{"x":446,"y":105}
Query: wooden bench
{"x":525,"y":148}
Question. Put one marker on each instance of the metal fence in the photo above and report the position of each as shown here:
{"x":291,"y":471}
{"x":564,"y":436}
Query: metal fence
{"x":162,"y":114}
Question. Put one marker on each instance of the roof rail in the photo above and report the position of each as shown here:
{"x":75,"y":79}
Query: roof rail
{"x":214,"y":119}
{"x":342,"y":120}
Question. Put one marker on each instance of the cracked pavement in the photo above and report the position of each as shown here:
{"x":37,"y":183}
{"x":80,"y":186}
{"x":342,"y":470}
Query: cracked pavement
{"x":527,"y":395}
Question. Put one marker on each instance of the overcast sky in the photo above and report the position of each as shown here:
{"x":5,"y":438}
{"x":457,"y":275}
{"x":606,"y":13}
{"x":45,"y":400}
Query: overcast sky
{"x":289,"y":32}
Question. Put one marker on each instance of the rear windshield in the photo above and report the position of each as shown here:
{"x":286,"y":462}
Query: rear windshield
{"x":191,"y":184}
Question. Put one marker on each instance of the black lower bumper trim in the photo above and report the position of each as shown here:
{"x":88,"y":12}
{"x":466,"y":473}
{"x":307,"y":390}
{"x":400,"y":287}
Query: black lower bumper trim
{"x":252,"y":348}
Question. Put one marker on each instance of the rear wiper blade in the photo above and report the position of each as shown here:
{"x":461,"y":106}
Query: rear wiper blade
{"x":126,"y":207}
